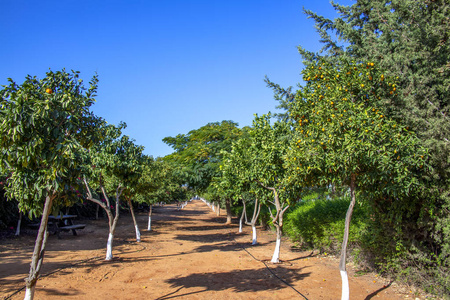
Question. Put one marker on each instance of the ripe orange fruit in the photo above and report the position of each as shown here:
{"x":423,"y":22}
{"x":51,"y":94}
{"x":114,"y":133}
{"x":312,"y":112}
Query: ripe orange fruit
{"x":48,"y":91}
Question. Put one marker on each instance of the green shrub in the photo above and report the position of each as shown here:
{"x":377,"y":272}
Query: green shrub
{"x":319,"y":224}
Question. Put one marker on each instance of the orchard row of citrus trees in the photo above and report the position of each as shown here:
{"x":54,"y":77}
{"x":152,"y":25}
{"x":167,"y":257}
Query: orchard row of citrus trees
{"x":369,"y":122}
{"x":337,"y":134}
{"x":56,"y":152}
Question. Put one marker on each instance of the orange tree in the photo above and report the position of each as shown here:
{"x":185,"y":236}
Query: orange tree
{"x":236,"y":181}
{"x":268,"y":144}
{"x":159,"y":183}
{"x":114,"y":167}
{"x":45,"y":126}
{"x":342,"y":136}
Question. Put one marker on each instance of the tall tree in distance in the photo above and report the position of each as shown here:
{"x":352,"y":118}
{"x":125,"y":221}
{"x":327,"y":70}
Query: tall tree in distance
{"x":200,"y":153}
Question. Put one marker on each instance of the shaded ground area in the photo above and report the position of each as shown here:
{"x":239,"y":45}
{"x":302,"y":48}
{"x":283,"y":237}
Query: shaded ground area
{"x":188,"y":254}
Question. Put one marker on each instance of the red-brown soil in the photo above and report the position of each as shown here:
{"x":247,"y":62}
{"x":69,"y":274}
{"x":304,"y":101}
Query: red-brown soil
{"x":189,"y":254}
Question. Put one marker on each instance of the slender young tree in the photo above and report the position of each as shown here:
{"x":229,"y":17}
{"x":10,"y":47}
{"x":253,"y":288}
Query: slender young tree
{"x":114,"y":166}
{"x":268,"y":146}
{"x":160,"y":184}
{"x":235,"y":171}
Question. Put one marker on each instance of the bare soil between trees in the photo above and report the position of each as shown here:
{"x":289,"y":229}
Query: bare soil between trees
{"x":188,"y":254}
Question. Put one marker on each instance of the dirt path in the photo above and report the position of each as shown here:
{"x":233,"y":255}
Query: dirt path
{"x":189,"y":254}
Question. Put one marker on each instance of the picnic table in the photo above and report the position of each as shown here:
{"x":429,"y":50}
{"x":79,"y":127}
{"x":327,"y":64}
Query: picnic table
{"x":64,"y":223}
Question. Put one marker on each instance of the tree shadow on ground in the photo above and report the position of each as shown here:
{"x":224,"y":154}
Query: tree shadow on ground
{"x":237,"y":281}
{"x":167,"y":219}
{"x":205,"y":238}
{"x":221,"y":221}
{"x":206,"y":227}
{"x":227,"y":247}
{"x":374,"y":294}
{"x":175,"y":211}
{"x":62,"y":268}
{"x":303,"y":257}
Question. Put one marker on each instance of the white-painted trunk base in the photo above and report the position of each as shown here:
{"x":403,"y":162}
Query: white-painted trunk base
{"x":254,"y":240}
{"x":19,"y":223}
{"x":29,"y":293}
{"x":18,"y":230}
{"x":109,"y":255}
{"x":276,"y":253}
{"x":240,"y":226}
{"x":138,"y":234}
{"x":345,"y":287}
{"x":149,"y":226}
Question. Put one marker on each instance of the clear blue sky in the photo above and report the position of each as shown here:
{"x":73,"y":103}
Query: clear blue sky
{"x":165,"y":67}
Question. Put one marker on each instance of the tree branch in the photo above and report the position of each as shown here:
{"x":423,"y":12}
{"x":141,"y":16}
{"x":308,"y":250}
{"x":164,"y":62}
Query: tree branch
{"x":90,"y":197}
{"x":266,"y":187}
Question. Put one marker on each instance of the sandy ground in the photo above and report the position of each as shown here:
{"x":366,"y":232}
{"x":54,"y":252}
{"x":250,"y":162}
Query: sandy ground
{"x":188,"y":254}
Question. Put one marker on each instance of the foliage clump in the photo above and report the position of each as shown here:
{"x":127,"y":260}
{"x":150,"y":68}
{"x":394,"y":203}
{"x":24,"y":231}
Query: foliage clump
{"x":319,"y":224}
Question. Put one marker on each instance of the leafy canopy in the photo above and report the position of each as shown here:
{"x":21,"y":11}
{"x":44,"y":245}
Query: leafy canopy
{"x":45,"y":125}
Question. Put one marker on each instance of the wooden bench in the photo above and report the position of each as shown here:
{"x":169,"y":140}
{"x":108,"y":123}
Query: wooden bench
{"x":72,"y":227}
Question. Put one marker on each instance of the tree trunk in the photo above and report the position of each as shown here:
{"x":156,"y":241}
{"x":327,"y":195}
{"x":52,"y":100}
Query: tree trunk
{"x":149,"y":226}
{"x":96,"y":211}
{"x":228,"y":208}
{"x":276,"y":253}
{"x":342,"y":264}
{"x":39,"y":250}
{"x":112,"y":223}
{"x":136,"y":227}
{"x":112,"y":220}
{"x":255,"y":216}
{"x":254,"y":238}
{"x":243,"y":215}
{"x":218,"y":209}
{"x":112,"y":229}
{"x":277,"y":221}
{"x":241,"y":221}
{"x":19,"y":223}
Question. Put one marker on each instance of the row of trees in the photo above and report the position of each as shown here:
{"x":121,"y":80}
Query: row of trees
{"x":370,"y":119}
{"x":56,"y":152}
